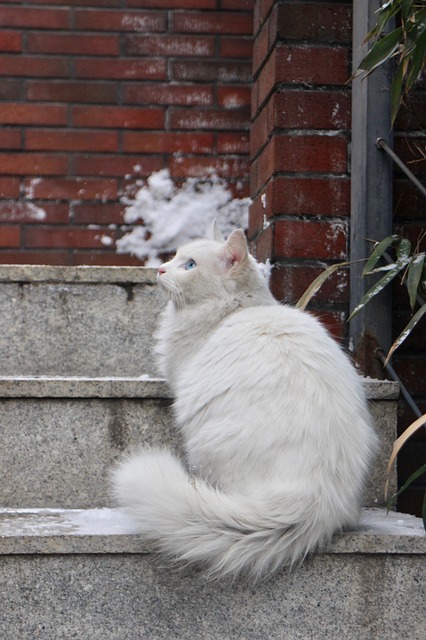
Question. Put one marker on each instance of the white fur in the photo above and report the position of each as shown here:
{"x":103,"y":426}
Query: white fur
{"x":277,"y":433}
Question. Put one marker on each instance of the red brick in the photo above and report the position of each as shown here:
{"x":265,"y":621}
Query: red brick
{"x":69,"y":91}
{"x":408,"y":200}
{"x":71,"y":189}
{"x":9,"y":187}
{"x":165,"y":142}
{"x":315,"y":22}
{"x":168,"y":94}
{"x":11,"y":41}
{"x":126,"y":69}
{"x":39,"y":67}
{"x":23,"y":211}
{"x":302,"y":64}
{"x":98,"y":20}
{"x":334,"y":322}
{"x":10,"y":89}
{"x":34,"y":257}
{"x":54,"y":238}
{"x":174,"y":4}
{"x":71,"y":43}
{"x":261,"y":12}
{"x":412,"y":371}
{"x":112,"y":165}
{"x":313,"y":239}
{"x":105,"y":259}
{"x":262,"y":44}
{"x":10,"y":139}
{"x":214,"y":22}
{"x":290,"y":282}
{"x":33,"y":164}
{"x":216,"y":119}
{"x":10,"y":236}
{"x":235,"y":47}
{"x":70,"y":140}
{"x":105,"y":213}
{"x":237,"y":5}
{"x":233,"y":143}
{"x":234,"y":97}
{"x":13,"y":113}
{"x":167,"y":45}
{"x":35,"y":18}
{"x":202,"y":166}
{"x":118,"y":117}
{"x":312,"y":109}
{"x":412,"y":114}
{"x":214,"y":71}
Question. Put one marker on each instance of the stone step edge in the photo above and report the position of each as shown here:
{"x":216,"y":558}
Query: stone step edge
{"x":143,"y":386}
{"x":84,"y":274}
{"x":106,"y":531}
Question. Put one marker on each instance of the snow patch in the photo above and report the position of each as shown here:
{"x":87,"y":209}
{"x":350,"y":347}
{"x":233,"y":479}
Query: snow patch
{"x":172,"y":216}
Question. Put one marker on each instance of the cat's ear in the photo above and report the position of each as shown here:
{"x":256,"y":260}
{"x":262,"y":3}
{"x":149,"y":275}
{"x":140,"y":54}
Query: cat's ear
{"x":235,"y":250}
{"x":213,"y":232}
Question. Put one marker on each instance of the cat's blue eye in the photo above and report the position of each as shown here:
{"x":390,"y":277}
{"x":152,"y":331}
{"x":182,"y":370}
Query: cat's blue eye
{"x":190,"y":264}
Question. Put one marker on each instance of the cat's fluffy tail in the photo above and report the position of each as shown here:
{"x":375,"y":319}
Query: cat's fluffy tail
{"x":191,"y":521}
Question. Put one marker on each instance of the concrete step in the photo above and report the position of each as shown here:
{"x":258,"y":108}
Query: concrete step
{"x":85,"y":574}
{"x":60,"y":436}
{"x":89,"y":321}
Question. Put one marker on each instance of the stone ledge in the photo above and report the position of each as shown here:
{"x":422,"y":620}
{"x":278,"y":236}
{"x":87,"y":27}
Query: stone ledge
{"x":75,"y":531}
{"x":35,"y":274}
{"x":143,"y":386}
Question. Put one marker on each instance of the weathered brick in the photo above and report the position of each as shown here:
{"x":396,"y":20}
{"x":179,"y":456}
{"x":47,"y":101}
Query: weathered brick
{"x":54,"y":238}
{"x":11,"y":41}
{"x":216,"y":119}
{"x":33,"y":164}
{"x":98,"y":20}
{"x":174,"y":4}
{"x":9,"y":187}
{"x":71,"y":189}
{"x":9,"y":236}
{"x":168,"y":94}
{"x":169,"y":46}
{"x":310,"y":239}
{"x":215,"y":22}
{"x":66,"y":140}
{"x":34,"y":257}
{"x":166,"y":142}
{"x":25,"y":114}
{"x":290,"y":282}
{"x":230,"y":47}
{"x":104,"y":259}
{"x":233,"y":143}
{"x":71,"y":91}
{"x":211,"y":71}
{"x":234,"y":97}
{"x":124,"y":68}
{"x":30,"y":66}
{"x":315,"y":22}
{"x":312,"y":109}
{"x":72,"y":43}
{"x":24,"y":211}
{"x":10,"y":139}
{"x":229,"y":168}
{"x":118,"y":117}
{"x":10,"y":89}
{"x":113,"y":165}
{"x":35,"y":18}
{"x":100,"y":213}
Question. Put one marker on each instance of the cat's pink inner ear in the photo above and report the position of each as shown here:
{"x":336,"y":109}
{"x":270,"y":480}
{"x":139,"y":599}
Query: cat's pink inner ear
{"x":235,"y":249}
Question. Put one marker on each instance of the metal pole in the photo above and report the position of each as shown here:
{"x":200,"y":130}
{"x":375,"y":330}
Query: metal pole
{"x":371,"y":194}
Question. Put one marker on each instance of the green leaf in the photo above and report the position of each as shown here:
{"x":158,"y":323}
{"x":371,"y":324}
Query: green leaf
{"x":405,"y":6}
{"x":407,"y":483}
{"x":378,"y":287}
{"x":378,"y":251}
{"x":414,"y":276}
{"x":381,"y":51}
{"x":406,"y":331}
{"x":403,"y":249}
{"x":317,"y":284}
{"x":417,"y":61}
{"x":396,"y":91}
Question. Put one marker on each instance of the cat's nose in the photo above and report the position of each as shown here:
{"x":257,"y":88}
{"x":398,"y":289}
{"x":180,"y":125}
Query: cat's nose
{"x":161,"y":270}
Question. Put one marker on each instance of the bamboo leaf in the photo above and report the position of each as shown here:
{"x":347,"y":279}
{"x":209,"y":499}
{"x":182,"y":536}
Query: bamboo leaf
{"x":317,"y":284}
{"x":381,"y":51}
{"x":417,"y":61}
{"x":378,"y":251}
{"x":407,"y":483}
{"x":403,"y":249}
{"x":396,"y":91}
{"x":378,"y":287}
{"x":414,"y":426}
{"x":415,"y":271}
{"x":406,"y":332}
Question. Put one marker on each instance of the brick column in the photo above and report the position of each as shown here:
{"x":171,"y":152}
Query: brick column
{"x":299,"y":148}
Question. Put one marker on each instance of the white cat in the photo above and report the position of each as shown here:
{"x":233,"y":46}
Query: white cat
{"x":278,"y":437}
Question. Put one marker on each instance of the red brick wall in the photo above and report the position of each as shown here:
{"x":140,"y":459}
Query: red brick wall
{"x":95,"y":96}
{"x":299,"y":141}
